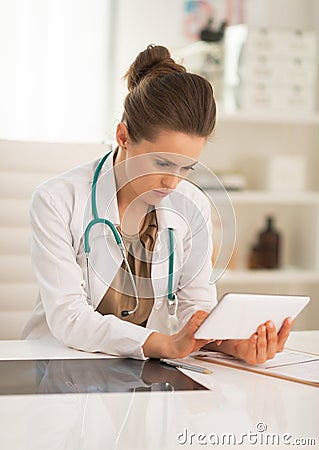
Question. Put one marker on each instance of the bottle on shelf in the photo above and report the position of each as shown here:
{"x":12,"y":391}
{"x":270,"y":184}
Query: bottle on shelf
{"x":266,"y":253}
{"x":269,"y":246}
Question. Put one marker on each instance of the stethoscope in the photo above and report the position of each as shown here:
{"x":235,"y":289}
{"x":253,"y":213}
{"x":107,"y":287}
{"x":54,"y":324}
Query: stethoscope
{"x":171,"y":297}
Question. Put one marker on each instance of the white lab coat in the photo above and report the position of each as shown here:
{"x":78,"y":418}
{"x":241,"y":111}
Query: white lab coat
{"x":60,"y":212}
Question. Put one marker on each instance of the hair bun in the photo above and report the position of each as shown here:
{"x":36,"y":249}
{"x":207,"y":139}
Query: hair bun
{"x":155,"y":61}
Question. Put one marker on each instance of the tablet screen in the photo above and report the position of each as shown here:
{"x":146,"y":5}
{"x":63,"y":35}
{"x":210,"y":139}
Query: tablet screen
{"x":63,"y":376}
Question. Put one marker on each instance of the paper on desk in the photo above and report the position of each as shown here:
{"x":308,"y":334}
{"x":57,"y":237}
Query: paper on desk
{"x":308,"y":371}
{"x":284,"y":358}
{"x":204,"y":379}
{"x":289,"y":364}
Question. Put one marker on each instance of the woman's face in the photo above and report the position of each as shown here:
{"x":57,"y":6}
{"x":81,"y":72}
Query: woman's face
{"x":154,"y":169}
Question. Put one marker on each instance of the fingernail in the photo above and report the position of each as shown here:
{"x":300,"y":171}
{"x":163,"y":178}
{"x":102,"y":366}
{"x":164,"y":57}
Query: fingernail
{"x":289,"y":320}
{"x":263,"y":328}
{"x":270,"y":325}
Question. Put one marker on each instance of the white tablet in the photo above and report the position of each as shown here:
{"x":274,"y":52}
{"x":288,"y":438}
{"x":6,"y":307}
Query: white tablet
{"x":237,"y":316}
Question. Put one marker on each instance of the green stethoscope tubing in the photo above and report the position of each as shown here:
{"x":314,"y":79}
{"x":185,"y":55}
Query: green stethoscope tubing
{"x":171,"y":296}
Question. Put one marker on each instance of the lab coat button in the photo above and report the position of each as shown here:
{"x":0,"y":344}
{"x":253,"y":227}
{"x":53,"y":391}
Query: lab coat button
{"x":158,"y":305}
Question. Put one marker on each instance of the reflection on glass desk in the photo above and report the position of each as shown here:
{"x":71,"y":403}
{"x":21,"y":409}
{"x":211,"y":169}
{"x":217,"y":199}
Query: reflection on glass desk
{"x":90,"y":376}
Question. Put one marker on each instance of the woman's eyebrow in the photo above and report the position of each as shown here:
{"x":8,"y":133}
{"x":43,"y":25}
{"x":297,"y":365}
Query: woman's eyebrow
{"x":191,"y":166}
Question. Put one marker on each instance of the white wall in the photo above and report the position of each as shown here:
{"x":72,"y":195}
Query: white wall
{"x":139,"y":23}
{"x":54,"y":76}
{"x":296,"y":14}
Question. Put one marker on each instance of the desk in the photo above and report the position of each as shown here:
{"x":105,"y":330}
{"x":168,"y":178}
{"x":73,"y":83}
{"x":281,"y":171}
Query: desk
{"x":239,"y":402}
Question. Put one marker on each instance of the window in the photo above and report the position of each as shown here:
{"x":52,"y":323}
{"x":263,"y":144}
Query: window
{"x":55,"y":66}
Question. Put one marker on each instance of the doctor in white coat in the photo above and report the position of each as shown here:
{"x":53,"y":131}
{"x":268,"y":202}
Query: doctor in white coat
{"x":87,"y":298}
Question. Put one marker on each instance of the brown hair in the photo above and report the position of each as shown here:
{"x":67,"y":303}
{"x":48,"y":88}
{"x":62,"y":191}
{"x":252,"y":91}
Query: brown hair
{"x":163,"y":96}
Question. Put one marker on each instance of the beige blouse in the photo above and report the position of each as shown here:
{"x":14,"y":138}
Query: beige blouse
{"x":120,"y":295}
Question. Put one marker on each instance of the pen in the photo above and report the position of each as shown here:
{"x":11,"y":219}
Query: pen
{"x":181,"y":365}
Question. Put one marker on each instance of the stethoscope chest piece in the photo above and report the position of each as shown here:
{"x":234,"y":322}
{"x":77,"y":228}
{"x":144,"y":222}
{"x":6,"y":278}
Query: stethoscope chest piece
{"x":172,"y":304}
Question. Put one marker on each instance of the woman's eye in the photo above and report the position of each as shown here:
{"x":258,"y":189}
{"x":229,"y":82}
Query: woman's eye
{"x":162,"y":164}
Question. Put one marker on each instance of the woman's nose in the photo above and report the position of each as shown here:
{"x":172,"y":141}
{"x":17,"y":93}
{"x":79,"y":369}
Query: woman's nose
{"x":171,"y":181}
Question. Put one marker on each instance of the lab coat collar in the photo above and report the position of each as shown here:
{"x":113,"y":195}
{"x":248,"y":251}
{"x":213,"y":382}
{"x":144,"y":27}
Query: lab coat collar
{"x":106,"y":200}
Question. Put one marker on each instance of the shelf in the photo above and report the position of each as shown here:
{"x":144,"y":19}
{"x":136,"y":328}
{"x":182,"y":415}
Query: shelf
{"x":268,"y":117}
{"x":269,"y":197}
{"x":266,"y":197}
{"x":269,"y":276}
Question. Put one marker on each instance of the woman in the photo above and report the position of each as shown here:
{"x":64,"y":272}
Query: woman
{"x":86,"y":294}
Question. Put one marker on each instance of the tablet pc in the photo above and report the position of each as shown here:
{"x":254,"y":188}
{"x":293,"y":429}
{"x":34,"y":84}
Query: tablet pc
{"x":237,"y":316}
{"x":68,"y":376}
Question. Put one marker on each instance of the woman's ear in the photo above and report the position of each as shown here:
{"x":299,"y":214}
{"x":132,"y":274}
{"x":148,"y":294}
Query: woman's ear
{"x":122,"y":135}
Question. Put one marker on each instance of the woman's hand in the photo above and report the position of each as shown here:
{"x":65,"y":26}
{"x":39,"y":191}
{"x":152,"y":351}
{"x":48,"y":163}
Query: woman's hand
{"x":183,"y":343}
{"x":177,"y":345}
{"x":262,"y":345}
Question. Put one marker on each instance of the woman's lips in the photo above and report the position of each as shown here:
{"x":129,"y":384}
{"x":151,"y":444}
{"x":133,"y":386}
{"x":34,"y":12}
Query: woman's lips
{"x":161,"y":193}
